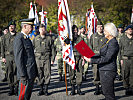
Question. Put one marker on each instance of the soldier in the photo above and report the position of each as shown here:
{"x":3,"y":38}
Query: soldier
{"x":58,"y":47}
{"x":25,"y":59}
{"x":96,"y":42}
{"x":43,"y":47}
{"x":8,"y":58}
{"x":76,"y":75}
{"x":3,"y":65}
{"x":120,"y":34}
{"x":126,"y":57}
{"x":84,"y":63}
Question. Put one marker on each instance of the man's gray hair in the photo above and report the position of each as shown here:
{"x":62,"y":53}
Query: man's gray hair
{"x":111,"y":29}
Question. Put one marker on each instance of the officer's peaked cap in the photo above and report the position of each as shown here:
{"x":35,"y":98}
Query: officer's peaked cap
{"x":29,"y":21}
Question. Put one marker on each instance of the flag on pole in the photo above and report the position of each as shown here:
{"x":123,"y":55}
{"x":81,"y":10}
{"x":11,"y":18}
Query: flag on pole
{"x":43,"y":17}
{"x":31,"y":12}
{"x":132,"y":16}
{"x":91,"y":21}
{"x":36,"y":22}
{"x":64,"y":28}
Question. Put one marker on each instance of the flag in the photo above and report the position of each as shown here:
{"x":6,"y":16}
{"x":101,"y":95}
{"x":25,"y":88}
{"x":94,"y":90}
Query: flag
{"x":36,"y":22}
{"x":31,"y":12}
{"x":91,"y":21}
{"x":65,"y":32}
{"x":43,"y":17}
{"x":132,"y":17}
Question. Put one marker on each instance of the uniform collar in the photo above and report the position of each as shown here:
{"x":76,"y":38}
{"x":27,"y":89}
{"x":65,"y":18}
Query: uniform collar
{"x":25,"y":34}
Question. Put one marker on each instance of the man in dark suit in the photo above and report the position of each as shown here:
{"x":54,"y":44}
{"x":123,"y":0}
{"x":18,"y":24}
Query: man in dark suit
{"x":25,"y":60}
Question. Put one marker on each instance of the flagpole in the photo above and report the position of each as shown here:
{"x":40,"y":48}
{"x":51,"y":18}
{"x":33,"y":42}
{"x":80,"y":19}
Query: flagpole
{"x":65,"y":77}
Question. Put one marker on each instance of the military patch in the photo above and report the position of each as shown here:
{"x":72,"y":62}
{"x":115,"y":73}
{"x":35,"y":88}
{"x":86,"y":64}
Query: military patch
{"x":101,"y":40}
{"x":130,"y":42}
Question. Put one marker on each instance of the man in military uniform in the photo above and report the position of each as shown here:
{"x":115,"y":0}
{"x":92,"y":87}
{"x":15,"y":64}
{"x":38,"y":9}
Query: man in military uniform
{"x":3,"y":65}
{"x":76,"y":75}
{"x":25,"y":59}
{"x":96,"y":42}
{"x":85,"y":64}
{"x":126,"y":57}
{"x":58,"y":47}
{"x":8,"y":58}
{"x":43,"y":47}
{"x":120,"y":34}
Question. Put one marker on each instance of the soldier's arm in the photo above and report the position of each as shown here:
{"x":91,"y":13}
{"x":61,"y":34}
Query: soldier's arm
{"x":19,"y":54}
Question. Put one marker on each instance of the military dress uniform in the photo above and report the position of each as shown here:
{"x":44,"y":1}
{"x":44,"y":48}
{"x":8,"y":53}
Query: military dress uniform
{"x":8,"y":54}
{"x":126,"y":54}
{"x":25,"y":62}
{"x":43,"y":48}
{"x":58,"y":48}
{"x":96,"y":42}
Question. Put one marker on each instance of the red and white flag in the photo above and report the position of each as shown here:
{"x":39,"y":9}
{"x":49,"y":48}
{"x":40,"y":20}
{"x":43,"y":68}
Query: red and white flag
{"x":91,"y":21}
{"x":31,"y":12}
{"x":132,"y":16}
{"x":43,"y":17}
{"x":36,"y":22}
{"x":64,"y":28}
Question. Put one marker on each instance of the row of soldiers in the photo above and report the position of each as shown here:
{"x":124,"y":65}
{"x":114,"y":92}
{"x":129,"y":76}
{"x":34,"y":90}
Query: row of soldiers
{"x":45,"y":53}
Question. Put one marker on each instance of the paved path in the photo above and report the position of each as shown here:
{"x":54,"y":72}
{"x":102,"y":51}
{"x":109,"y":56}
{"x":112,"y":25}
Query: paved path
{"x":57,"y":90}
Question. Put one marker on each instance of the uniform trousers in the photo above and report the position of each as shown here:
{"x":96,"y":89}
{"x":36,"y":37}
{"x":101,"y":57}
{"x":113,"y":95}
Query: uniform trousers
{"x":127,"y":73}
{"x":25,"y":89}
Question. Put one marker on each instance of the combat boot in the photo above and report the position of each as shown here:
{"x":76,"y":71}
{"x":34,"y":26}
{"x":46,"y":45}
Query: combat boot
{"x":73,"y":90}
{"x":128,"y":91}
{"x":63,"y":78}
{"x":60,"y":78}
{"x":46,"y":90}
{"x":4,"y":79}
{"x":41,"y":91}
{"x":11,"y":92}
{"x":79,"y":90}
{"x":97,"y":92}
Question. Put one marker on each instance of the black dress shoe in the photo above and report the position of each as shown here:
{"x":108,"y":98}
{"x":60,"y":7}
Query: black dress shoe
{"x":10,"y":93}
